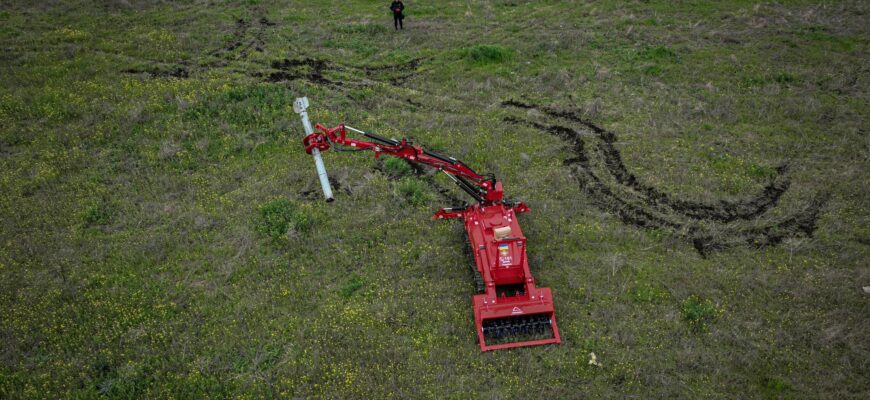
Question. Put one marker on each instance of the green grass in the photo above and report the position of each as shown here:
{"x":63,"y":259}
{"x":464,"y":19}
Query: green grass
{"x":368,"y":29}
{"x":353,"y":284}
{"x":164,"y":235}
{"x":413,"y":191}
{"x":775,"y":388}
{"x":699,"y":313}
{"x":645,"y":293}
{"x":97,"y":214}
{"x":360,"y":47}
{"x":395,"y":166}
{"x":278,"y":217}
{"x":488,"y":54}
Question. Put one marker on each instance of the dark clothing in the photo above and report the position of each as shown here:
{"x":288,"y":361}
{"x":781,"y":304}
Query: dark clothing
{"x":397,"y":7}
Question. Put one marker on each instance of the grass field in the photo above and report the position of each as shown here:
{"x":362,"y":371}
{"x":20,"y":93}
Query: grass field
{"x":698,"y":175}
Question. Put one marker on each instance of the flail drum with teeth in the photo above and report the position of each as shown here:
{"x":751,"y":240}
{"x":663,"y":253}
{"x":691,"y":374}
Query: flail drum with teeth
{"x":517,"y":328}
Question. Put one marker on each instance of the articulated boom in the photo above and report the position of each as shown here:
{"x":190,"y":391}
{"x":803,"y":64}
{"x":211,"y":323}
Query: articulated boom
{"x":509,"y":310}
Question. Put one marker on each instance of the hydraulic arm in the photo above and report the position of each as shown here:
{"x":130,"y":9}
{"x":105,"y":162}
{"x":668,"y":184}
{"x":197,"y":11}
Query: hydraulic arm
{"x":509,"y":309}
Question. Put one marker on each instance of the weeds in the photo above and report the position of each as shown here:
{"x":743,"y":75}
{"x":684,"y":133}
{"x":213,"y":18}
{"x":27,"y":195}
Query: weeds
{"x":397,"y":167}
{"x":699,"y":313}
{"x":350,"y":287}
{"x":488,"y":54}
{"x":97,"y":214}
{"x":279,"y":217}
{"x":646,"y":293}
{"x":659,"y":53}
{"x":775,"y":388}
{"x":413,"y":191}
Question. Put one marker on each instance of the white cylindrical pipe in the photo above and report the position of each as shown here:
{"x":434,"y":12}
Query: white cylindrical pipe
{"x":306,"y":123}
{"x":321,"y":173}
{"x":299,"y":106}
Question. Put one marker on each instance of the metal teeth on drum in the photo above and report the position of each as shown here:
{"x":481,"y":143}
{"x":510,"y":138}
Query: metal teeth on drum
{"x":516,"y":327}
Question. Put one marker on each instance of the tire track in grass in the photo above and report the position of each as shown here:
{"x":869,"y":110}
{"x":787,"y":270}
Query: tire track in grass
{"x":602,"y":196}
{"x":704,"y":239}
{"x":314,"y":70}
{"x":799,"y":224}
{"x":160,"y":71}
{"x":720,"y":211}
{"x":682,"y":217}
{"x":249,"y":35}
{"x":308,"y":69}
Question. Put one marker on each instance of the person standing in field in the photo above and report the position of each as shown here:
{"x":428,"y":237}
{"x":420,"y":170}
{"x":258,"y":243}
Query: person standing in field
{"x":397,"y":7}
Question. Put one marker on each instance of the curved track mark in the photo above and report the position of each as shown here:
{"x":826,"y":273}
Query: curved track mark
{"x":603,"y":197}
{"x":801,"y":224}
{"x":721,"y":211}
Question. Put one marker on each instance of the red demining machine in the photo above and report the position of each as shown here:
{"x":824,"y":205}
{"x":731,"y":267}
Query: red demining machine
{"x":509,"y":310}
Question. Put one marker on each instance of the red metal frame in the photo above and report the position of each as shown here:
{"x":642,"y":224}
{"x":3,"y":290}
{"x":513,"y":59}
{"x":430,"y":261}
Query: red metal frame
{"x":496,"y":240}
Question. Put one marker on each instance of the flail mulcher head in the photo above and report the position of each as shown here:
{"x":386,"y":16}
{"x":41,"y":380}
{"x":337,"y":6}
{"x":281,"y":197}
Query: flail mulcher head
{"x":511,"y":311}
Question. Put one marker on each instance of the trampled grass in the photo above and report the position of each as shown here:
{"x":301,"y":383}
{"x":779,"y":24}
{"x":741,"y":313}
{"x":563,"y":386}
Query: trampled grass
{"x":697,"y":171}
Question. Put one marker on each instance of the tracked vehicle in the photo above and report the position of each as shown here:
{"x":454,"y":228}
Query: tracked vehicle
{"x":509,"y":309}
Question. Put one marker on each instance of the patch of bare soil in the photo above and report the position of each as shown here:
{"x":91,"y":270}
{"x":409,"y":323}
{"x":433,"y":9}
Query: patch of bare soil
{"x":313,"y":71}
{"x":159,"y":72}
{"x":308,"y":69}
{"x":400,"y":67}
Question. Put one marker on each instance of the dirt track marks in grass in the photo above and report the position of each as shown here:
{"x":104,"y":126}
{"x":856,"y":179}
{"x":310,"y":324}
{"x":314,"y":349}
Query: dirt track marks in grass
{"x":314,"y":70}
{"x":400,"y":67}
{"x":601,"y":195}
{"x":160,"y":72}
{"x":308,"y":69}
{"x":721,"y":211}
{"x":249,"y":35}
{"x":708,"y":227}
{"x":799,"y":224}
{"x":394,"y":74}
